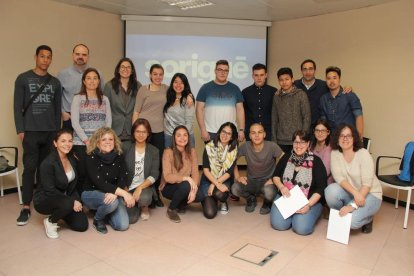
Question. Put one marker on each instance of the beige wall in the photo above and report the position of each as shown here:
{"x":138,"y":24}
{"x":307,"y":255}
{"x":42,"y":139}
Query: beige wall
{"x":374,"y":47}
{"x":25,"y":24}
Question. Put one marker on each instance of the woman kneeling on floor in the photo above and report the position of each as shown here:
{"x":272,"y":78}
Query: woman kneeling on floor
{"x":357,"y":190}
{"x":104,"y":188}
{"x":219,"y":159}
{"x":180,"y":172}
{"x":301,"y":167}
{"x":56,"y":194}
{"x":142,"y":161}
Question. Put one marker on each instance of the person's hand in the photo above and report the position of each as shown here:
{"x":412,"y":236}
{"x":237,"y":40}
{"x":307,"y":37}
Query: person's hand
{"x":77,"y":206}
{"x":241,"y":136}
{"x":285,"y":191}
{"x":129,"y":200}
{"x":223,"y":188}
{"x":345,"y":210}
{"x":192,"y":183}
{"x":210,"y":189}
{"x":189,"y":100}
{"x":359,"y":199}
{"x":21,"y":136}
{"x":242,"y":180}
{"x":109,"y":198}
{"x":205,"y":136}
{"x":137,"y":194}
{"x":347,"y":89}
{"x":65,"y":116}
{"x":86,"y":142}
{"x":192,"y":196}
{"x":303,"y":210}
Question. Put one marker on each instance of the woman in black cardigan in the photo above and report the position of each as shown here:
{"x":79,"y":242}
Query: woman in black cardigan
{"x":56,"y":194}
{"x":142,"y":161}
{"x":106,"y":182}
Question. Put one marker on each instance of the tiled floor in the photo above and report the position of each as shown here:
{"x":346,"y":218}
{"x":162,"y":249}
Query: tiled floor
{"x":198,"y":246}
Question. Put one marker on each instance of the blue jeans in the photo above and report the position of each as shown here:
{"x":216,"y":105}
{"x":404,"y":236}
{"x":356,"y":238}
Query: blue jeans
{"x":168,"y":140}
{"x":115,"y":212}
{"x":302,"y":224}
{"x":337,"y":197}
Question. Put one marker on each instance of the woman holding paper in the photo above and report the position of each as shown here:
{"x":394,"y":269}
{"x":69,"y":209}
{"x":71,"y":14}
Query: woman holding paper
{"x":303,"y":169}
{"x":357,"y":189}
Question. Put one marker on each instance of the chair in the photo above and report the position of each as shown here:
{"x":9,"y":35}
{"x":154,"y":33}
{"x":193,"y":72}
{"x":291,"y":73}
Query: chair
{"x":12,"y":170}
{"x":367,"y":143}
{"x":394,"y":182}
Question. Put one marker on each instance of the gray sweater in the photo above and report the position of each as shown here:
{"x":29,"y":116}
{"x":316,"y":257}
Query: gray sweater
{"x":44,"y":113}
{"x":290,"y":112}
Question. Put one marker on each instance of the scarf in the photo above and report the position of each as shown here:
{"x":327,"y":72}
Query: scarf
{"x":220,"y":158}
{"x":298,"y":171}
{"x":106,"y":158}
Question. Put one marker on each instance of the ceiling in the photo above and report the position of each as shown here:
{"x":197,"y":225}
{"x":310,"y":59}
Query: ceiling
{"x":262,"y":10}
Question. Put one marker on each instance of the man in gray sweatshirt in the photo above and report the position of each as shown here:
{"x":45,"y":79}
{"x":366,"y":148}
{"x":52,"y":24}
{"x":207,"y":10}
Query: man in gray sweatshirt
{"x":36,"y":120}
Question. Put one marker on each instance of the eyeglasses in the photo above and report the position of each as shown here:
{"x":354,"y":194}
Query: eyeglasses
{"x":141,"y":132}
{"x":321,"y":131}
{"x":346,"y":137}
{"x":125,"y":67}
{"x":225,"y":71}
{"x":299,"y":143}
{"x":226,"y":133}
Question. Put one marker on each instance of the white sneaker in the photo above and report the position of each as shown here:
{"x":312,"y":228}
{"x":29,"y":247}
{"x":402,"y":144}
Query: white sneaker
{"x":51,"y":229}
{"x":145,"y":213}
{"x":224,"y":208}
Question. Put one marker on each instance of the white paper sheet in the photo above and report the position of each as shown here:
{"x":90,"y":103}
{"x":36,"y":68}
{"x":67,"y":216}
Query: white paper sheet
{"x":289,"y":205}
{"x":339,"y":227}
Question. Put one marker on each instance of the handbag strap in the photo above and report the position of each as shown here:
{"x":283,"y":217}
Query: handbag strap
{"x":41,"y":88}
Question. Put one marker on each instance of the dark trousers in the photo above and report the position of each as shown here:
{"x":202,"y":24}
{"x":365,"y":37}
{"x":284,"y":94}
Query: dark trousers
{"x":80,"y":153}
{"x":36,"y":146}
{"x":178,"y":194}
{"x":67,"y":124}
{"x":157,"y":140}
{"x":61,"y":207}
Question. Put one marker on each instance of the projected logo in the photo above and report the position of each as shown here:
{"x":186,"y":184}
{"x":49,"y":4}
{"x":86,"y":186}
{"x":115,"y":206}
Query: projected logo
{"x":195,"y":56}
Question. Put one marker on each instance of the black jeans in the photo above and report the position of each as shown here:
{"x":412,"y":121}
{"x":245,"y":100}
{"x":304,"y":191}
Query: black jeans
{"x":36,"y":146}
{"x":157,"y":140}
{"x":61,"y":207}
{"x":80,"y":153}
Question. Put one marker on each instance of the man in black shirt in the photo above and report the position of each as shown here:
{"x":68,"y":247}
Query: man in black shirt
{"x":258,"y":100}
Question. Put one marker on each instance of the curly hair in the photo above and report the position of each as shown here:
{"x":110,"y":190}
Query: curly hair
{"x":357,"y":143}
{"x":97,"y":136}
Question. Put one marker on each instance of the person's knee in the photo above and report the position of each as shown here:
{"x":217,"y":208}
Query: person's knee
{"x":236,"y":189}
{"x":331,"y":194}
{"x":269,"y":192}
{"x":220,"y":196}
{"x":121,"y":225}
{"x":185,"y":187}
{"x":302,"y":229}
{"x":81,"y":226}
{"x":145,"y":198}
{"x":209,"y":207}
{"x":277,"y":221}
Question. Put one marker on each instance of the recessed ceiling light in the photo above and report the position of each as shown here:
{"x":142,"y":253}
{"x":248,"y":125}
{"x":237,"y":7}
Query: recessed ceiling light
{"x":188,"y":4}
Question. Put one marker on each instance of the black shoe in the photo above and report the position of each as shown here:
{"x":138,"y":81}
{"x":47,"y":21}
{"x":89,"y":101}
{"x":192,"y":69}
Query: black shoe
{"x":250,"y":204}
{"x":367,"y":228}
{"x":234,"y":198}
{"x":100,"y":226}
{"x":267,"y":205}
{"x":173,"y":216}
{"x":159,"y":203}
{"x":152,"y":205}
{"x":24,"y":216}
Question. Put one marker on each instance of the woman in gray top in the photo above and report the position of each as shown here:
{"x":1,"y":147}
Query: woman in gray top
{"x":122,"y":92}
{"x":176,"y":111}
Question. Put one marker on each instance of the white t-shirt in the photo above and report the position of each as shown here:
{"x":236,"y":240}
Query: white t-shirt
{"x":139,"y":170}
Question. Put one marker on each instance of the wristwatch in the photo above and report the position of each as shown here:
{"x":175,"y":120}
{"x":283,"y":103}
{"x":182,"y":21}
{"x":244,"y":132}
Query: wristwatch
{"x":241,"y":129}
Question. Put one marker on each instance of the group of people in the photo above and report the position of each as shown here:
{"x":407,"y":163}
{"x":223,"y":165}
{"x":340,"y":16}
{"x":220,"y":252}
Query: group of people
{"x":123,"y":144}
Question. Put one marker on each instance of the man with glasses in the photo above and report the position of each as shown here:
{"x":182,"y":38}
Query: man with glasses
{"x":261,"y":159}
{"x":258,"y":100}
{"x":313,"y":87}
{"x":217,"y":102}
{"x":71,"y":80}
{"x":338,"y":107}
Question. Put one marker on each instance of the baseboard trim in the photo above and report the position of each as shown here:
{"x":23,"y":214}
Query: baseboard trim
{"x":400,"y":202}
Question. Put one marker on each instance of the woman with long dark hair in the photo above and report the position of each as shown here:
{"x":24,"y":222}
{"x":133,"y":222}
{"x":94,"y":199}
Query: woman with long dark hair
{"x":56,"y":193}
{"x":176,"y":111}
{"x":321,"y":147}
{"x":219,"y":160}
{"x":180,"y":172}
{"x":122,"y":91}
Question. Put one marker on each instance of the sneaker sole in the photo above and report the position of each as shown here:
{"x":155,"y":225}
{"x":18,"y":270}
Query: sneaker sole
{"x":21,"y":223}
{"x":224,"y":212}
{"x":176,"y":221}
{"x":48,"y":235}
